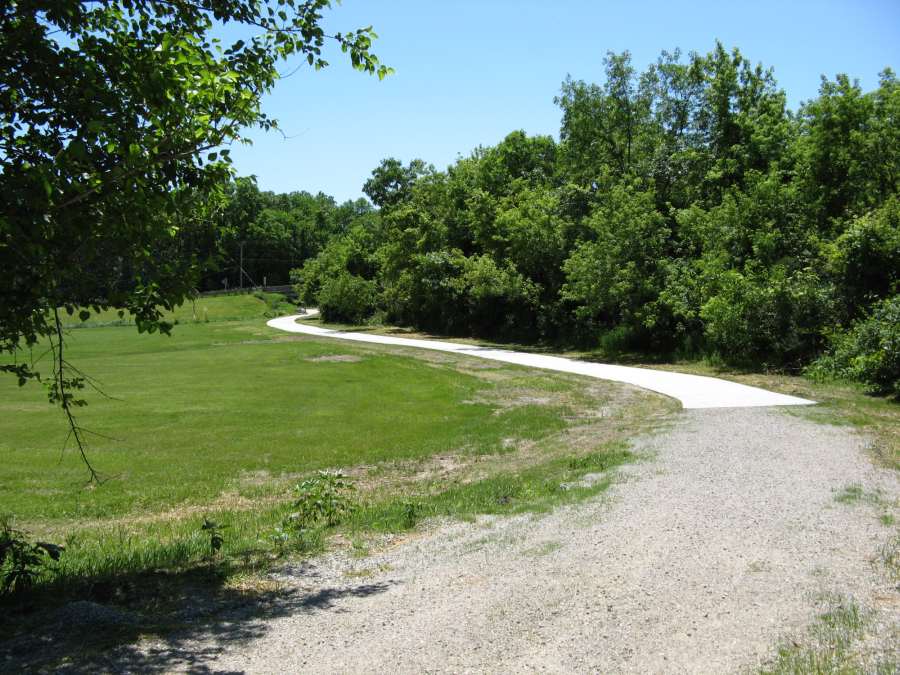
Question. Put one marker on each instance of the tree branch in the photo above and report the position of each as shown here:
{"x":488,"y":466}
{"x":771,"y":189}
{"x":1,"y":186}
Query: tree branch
{"x":61,"y":384}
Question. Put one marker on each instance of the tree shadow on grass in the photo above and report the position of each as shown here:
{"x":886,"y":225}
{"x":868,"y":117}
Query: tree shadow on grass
{"x":187,"y":630}
{"x":582,"y":352}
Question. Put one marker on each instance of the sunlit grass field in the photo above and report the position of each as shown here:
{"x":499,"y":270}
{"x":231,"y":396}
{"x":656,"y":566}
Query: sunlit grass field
{"x":218,"y":405}
{"x":222,"y":418}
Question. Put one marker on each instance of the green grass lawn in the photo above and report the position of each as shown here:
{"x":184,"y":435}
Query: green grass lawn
{"x":220,"y":406}
{"x":221,"y":419}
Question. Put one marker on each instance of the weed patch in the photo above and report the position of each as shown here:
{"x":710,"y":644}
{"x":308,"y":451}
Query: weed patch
{"x":535,"y":489}
{"x":828,"y":646}
{"x":856,"y":494}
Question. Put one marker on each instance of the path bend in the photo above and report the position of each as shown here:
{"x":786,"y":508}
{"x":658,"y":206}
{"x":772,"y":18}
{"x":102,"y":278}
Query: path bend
{"x":693,"y":391}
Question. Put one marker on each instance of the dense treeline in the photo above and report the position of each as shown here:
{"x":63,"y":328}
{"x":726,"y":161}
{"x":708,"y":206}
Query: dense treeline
{"x":685,"y":209}
{"x":277,"y":232}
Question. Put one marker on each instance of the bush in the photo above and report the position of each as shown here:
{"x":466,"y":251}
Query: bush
{"x":500,"y":302}
{"x":322,"y":501}
{"x":865,"y":259}
{"x":869,"y":352}
{"x":771,"y":317}
{"x":427,"y":291}
{"x":21,"y":561}
{"x":347,"y":298}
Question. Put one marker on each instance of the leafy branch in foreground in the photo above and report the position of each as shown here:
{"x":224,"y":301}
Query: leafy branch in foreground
{"x":116,"y":119}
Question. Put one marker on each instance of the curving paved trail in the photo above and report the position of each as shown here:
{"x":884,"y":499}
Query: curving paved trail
{"x":694,"y":391}
{"x":701,"y":559}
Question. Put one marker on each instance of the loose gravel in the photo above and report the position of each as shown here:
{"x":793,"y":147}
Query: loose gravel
{"x":706,"y":554}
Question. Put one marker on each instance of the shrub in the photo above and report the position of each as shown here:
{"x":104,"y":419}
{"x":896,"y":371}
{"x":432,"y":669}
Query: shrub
{"x":322,"y":501}
{"x":771,"y":317}
{"x":347,"y":298}
{"x":865,"y":259}
{"x":869,"y":352}
{"x":499,"y":300}
{"x":21,"y":561}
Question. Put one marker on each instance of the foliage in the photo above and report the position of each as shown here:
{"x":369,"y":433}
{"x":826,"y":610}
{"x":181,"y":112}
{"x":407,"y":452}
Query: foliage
{"x":322,"y":500}
{"x":615,"y":277}
{"x":21,"y":561}
{"x":391,"y":182}
{"x":346,"y":298}
{"x":869,"y":351}
{"x":865,"y":258}
{"x":117,"y":119}
{"x":684,"y":210}
{"x":771,"y":318}
{"x":270,"y":234}
{"x":216,"y":538}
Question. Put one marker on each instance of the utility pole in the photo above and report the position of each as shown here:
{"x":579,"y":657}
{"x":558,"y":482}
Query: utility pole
{"x":242,"y":266}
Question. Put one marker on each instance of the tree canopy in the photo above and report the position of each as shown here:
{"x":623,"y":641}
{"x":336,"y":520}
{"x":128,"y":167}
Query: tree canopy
{"x":684,"y":209}
{"x":116,"y":119}
{"x":115,"y":122}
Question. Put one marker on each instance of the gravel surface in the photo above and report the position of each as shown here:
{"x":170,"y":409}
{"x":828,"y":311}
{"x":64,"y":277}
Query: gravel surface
{"x":701,"y":559}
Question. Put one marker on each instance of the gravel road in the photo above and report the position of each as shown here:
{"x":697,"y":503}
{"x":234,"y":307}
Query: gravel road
{"x":701,"y":559}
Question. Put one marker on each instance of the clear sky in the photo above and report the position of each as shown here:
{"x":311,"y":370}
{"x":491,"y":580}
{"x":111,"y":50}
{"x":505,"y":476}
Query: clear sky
{"x":470,"y":71}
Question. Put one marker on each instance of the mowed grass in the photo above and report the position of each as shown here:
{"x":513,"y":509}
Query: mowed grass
{"x":220,"y":420}
{"x":224,"y":406}
{"x":235,"y":307}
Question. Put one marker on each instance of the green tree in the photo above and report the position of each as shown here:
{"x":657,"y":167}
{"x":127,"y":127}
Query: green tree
{"x":115,"y":122}
{"x":604,"y":128}
{"x":391,"y":182}
{"x":614,"y":279}
{"x":849,"y":148}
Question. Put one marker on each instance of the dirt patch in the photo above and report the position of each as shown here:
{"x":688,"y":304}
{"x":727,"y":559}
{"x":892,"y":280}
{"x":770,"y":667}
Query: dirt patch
{"x":520,"y":398}
{"x":336,"y":358}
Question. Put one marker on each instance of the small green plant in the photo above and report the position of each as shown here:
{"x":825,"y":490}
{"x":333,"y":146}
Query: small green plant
{"x":856,"y":494}
{"x":280,"y":538}
{"x":851,"y":495}
{"x":829,"y":646}
{"x":21,"y":561}
{"x":322,"y":501}
{"x":216,"y":539}
{"x":412,"y":513}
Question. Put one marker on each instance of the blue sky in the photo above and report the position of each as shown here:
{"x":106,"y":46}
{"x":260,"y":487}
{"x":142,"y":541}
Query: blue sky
{"x":468,"y":72}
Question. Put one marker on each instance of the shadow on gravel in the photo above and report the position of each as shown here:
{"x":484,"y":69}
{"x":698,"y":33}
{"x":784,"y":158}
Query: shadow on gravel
{"x":89,"y":637}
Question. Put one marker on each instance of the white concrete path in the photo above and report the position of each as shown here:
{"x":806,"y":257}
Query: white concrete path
{"x":694,"y":391}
